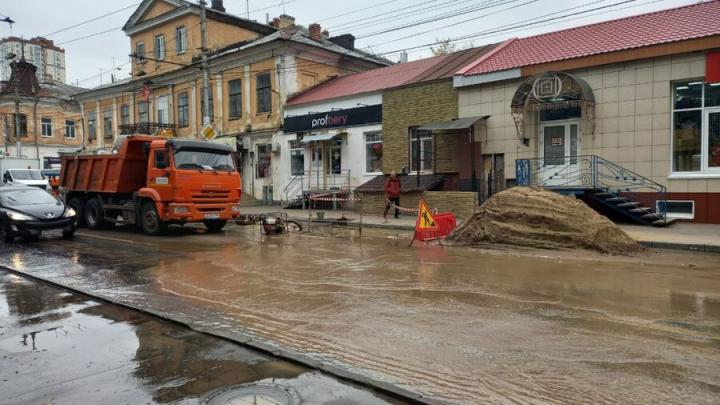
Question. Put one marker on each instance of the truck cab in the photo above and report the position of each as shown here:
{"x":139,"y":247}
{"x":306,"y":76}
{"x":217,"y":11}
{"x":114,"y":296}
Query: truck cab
{"x":26,"y":177}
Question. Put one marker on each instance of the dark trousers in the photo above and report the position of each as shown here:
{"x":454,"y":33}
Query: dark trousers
{"x":394,"y":200}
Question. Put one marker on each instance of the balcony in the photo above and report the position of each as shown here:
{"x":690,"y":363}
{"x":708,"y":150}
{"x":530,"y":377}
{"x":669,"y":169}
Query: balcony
{"x":149,"y":128}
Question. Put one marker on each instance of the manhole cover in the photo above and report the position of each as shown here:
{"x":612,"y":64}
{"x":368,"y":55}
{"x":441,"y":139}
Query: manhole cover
{"x":255,"y":394}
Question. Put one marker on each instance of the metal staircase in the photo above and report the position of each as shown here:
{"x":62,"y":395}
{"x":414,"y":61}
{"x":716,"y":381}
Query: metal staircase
{"x":299,"y":187}
{"x":607,"y":187}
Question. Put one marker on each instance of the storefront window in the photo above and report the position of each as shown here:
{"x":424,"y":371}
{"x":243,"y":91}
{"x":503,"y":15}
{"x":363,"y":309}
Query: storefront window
{"x":297,"y":159}
{"x":334,"y":159}
{"x":373,"y":152}
{"x":696,"y":127}
{"x":264,"y":161}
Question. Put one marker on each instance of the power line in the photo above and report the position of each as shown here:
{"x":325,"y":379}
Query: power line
{"x":499,"y":29}
{"x":358,"y":9}
{"x":440,"y":18}
{"x":408,"y":14}
{"x":91,"y":20}
{"x":336,"y":27}
{"x":89,"y":36}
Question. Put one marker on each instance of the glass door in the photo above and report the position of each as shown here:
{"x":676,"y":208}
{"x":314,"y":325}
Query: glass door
{"x":712,"y":144}
{"x":559,"y":149}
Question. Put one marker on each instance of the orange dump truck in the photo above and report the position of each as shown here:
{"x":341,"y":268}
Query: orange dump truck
{"x":153,"y":182}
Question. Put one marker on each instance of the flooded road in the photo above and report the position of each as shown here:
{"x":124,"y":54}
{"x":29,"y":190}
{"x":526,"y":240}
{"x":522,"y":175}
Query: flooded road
{"x":458,"y":325}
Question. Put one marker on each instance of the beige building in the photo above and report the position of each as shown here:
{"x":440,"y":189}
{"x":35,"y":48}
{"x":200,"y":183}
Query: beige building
{"x":621,"y":114}
{"x":49,"y":118}
{"x":253,"y":69}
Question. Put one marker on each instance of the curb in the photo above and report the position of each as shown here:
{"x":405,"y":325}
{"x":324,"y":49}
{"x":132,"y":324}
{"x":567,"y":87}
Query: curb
{"x":257,"y":345}
{"x":691,"y":247}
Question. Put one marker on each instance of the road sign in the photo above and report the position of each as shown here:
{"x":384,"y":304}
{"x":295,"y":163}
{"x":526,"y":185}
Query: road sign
{"x":209,"y":133}
{"x":425,"y":219}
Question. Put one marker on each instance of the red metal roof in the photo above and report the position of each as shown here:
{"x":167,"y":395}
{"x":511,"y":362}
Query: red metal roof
{"x":366,"y":82}
{"x":660,"y":27}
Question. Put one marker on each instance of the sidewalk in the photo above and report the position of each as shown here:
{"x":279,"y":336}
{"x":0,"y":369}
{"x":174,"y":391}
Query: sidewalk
{"x":681,"y":236}
{"x":685,"y":236}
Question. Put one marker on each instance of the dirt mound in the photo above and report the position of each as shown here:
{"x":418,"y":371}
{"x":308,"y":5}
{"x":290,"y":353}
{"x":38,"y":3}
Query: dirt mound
{"x":537,"y":218}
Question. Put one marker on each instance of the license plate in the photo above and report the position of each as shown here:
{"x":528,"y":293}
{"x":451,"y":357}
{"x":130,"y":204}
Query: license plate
{"x":212,"y":216}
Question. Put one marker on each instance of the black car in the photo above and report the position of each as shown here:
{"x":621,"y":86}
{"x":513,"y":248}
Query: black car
{"x":28,"y":211}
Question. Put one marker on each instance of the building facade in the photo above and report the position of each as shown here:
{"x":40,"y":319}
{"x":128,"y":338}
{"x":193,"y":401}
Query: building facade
{"x":632,"y":101}
{"x":253,"y":69}
{"x":48,"y":58}
{"x":49,"y":120}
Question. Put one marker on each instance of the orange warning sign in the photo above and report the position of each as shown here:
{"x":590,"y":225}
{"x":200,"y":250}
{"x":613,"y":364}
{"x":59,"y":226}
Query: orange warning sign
{"x":425,"y":218}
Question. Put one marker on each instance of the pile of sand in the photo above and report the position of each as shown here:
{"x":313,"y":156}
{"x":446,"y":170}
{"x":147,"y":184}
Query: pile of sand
{"x":537,"y":218}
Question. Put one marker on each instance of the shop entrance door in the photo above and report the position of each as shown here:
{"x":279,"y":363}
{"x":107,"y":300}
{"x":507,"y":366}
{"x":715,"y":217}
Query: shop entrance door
{"x":559,"y":150}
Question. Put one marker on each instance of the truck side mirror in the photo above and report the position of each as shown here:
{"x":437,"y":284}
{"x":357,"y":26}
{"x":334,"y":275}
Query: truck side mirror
{"x":6,"y":177}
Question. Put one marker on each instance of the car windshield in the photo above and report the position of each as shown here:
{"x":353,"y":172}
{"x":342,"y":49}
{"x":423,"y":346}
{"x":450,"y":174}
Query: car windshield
{"x":29,"y":196}
{"x":204,"y":159}
{"x":26,"y":174}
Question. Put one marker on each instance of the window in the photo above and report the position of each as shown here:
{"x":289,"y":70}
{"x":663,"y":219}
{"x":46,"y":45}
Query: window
{"x":140,"y":52}
{"x":182,"y":104}
{"x":264,"y":161}
{"x":334,"y":157}
{"x":162,"y":110}
{"x":373,"y":152}
{"x":235,"y":89}
{"x":143,"y":112}
{"x":160,"y":47}
{"x":180,"y":40}
{"x":677,"y":209}
{"x":696,"y":127}
{"x":70,"y":129}
{"x":108,"y":123}
{"x":425,"y":146}
{"x":22,"y":126}
{"x":160,"y":159}
{"x":46,"y":127}
{"x":92,"y":126}
{"x":125,"y":114}
{"x":297,"y":159}
{"x":264,"y":96}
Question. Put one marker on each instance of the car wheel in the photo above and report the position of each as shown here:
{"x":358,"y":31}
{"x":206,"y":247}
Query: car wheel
{"x":214,"y":225}
{"x":6,"y":234}
{"x":78,"y":205}
{"x":150,"y":220}
{"x":94,"y":216}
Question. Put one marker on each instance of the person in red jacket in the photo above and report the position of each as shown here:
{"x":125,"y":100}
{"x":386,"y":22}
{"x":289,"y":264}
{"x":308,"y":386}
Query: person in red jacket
{"x":392,"y":194}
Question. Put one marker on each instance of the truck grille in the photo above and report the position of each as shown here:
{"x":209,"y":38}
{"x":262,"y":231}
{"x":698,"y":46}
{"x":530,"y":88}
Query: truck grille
{"x":207,"y":197}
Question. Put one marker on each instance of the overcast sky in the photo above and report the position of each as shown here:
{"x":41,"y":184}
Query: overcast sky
{"x":366,"y":19}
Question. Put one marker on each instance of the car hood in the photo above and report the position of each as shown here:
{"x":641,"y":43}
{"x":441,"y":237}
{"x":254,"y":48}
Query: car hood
{"x":43,"y":212}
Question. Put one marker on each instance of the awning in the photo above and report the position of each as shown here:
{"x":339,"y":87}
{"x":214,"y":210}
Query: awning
{"x":317,"y":138}
{"x":454,"y":125}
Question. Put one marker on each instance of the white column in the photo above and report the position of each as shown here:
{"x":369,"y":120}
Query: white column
{"x":116,"y":124}
{"x":171,"y":104}
{"x":83,"y":122}
{"x":98,"y":124}
{"x":193,"y":108}
{"x":132,"y":107}
{"x":218,"y":102}
{"x":247,"y":106}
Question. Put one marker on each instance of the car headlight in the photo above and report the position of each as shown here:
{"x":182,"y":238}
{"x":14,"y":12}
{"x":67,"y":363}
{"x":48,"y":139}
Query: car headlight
{"x":69,"y":213}
{"x":16,"y":216}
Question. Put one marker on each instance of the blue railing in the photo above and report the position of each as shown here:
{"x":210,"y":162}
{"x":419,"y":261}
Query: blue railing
{"x":591,"y":172}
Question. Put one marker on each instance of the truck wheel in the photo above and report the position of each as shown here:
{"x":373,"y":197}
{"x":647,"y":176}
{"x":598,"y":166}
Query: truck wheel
{"x":94,"y":216}
{"x":150,"y":220}
{"x":214,"y":225}
{"x":78,"y":205}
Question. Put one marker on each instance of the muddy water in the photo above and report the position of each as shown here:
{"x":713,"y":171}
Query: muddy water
{"x":458,"y":325}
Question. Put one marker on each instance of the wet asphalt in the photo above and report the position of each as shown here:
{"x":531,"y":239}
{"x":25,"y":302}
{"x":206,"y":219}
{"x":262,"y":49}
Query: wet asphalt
{"x":452,"y":324}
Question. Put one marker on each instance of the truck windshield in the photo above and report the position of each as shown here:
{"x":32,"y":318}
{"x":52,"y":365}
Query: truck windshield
{"x":204,"y":159}
{"x":26,"y":174}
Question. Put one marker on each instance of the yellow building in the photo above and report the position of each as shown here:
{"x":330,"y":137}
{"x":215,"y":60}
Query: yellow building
{"x":253,"y":69}
{"x":50,"y":120}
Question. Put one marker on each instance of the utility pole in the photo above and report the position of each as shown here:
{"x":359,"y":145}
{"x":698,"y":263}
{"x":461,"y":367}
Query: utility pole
{"x":16,"y":87}
{"x":206,"y":73}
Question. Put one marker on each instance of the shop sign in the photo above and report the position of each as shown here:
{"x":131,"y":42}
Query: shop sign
{"x":557,"y":141}
{"x":334,"y":119}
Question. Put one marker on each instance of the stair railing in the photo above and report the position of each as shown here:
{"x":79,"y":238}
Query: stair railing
{"x":591,"y":172}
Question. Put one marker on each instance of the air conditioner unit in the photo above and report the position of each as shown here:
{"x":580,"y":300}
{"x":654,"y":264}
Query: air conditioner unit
{"x":276,"y":147}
